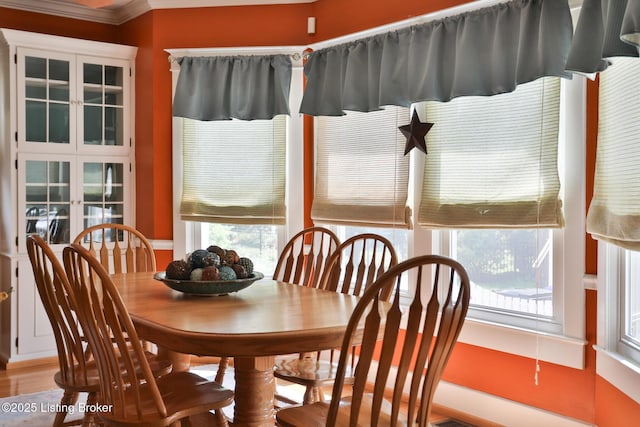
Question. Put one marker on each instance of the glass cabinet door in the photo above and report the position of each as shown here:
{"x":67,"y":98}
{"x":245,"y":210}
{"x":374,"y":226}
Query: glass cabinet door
{"x":47,"y":196}
{"x":104,"y":191}
{"x":46,"y":95}
{"x":104,"y":103}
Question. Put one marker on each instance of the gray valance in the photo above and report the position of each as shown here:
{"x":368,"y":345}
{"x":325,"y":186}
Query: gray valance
{"x":226,"y":87}
{"x":606,"y":28}
{"x":482,"y":52}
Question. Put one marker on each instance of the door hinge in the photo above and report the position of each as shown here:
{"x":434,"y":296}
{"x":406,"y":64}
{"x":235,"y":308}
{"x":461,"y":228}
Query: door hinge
{"x":16,"y":164}
{"x":16,"y":136}
{"x":15,"y":58}
{"x":130,"y":72}
{"x":16,"y":240}
{"x":16,"y":342}
{"x":17,"y":274}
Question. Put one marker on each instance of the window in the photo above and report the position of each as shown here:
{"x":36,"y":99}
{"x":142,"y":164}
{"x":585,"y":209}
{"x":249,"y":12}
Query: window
{"x":259,"y":228}
{"x":612,"y":218}
{"x":362,"y":176}
{"x":491,"y":179}
{"x":526,"y":278}
{"x":630,"y":307}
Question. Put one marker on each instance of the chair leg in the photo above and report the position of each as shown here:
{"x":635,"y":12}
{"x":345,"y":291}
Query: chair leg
{"x":221,"y":419}
{"x":309,"y":396}
{"x":222,"y":368}
{"x":68,"y":398}
{"x":90,"y":418}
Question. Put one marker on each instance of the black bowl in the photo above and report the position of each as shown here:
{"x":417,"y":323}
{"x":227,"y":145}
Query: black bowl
{"x":208,"y":287}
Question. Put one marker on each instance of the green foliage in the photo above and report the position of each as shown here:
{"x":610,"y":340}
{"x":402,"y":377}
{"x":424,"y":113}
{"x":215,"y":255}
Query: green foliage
{"x":500,"y":259}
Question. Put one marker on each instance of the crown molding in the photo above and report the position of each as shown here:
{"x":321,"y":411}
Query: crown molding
{"x":62,"y":9}
{"x":125,"y":10}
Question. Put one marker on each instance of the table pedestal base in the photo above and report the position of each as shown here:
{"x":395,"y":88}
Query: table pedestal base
{"x":255,"y":390}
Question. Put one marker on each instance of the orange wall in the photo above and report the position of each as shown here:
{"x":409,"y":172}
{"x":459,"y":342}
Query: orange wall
{"x":575,"y":393}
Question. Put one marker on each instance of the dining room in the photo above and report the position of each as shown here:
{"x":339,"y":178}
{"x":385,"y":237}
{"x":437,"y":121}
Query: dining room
{"x":539,"y":342}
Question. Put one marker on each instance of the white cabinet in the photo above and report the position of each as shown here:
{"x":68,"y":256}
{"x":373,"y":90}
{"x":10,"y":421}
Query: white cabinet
{"x":66,"y":161}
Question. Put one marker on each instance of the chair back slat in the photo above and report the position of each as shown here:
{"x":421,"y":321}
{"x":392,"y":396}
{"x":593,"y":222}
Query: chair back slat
{"x":122,"y":248}
{"x":357,"y":263}
{"x":412,"y":361}
{"x":304,"y":257}
{"x":112,"y":337}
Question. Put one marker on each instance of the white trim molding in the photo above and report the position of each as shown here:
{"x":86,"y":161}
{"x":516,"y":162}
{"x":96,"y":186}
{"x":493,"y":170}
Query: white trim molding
{"x":497,"y":409}
{"x":122,"y":11}
{"x":557,"y":349}
{"x":618,"y":371}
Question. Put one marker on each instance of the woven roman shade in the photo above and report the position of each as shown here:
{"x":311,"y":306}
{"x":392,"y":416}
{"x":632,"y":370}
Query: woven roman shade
{"x":492,"y":161}
{"x":362,"y":174}
{"x":234,"y":171}
{"x":614,"y":213}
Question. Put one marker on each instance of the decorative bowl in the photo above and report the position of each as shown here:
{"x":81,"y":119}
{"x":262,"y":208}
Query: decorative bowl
{"x":204,"y":287}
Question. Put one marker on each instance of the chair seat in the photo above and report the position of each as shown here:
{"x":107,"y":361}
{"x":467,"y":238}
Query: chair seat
{"x":315,"y":415}
{"x":90,"y":382}
{"x":184,"y":394}
{"x":307,"y":371}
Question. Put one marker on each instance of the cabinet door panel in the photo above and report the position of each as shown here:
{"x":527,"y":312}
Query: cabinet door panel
{"x":46,"y":100}
{"x":105,"y":191}
{"x":104,"y":84}
{"x":34,"y":329}
{"x":45,"y":194}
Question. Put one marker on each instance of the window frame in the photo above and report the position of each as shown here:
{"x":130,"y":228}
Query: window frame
{"x":612,"y":362}
{"x":187,"y":235}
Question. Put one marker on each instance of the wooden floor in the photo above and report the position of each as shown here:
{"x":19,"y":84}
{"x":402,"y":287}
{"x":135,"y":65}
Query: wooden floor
{"x":35,"y":378}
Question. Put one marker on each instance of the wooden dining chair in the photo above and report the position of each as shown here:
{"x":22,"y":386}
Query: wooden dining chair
{"x":120,"y":248}
{"x":301,"y":262}
{"x":133,"y":395}
{"x":78,"y":372}
{"x":356,"y":264}
{"x":304,"y":257}
{"x":399,"y":363}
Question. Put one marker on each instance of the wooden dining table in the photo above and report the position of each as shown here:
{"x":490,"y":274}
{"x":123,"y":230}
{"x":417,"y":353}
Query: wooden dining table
{"x":254,"y":325}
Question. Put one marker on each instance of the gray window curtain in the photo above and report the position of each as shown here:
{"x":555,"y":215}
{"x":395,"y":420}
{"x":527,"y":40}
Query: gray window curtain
{"x":226,"y":87}
{"x":605,"y":29}
{"x":482,"y":52}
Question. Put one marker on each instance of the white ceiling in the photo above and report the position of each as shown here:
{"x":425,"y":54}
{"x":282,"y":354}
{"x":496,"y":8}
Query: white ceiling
{"x":123,"y":10}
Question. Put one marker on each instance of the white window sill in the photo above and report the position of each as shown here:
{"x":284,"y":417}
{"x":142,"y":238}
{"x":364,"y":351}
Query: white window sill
{"x":620,"y":372}
{"x":558,"y":349}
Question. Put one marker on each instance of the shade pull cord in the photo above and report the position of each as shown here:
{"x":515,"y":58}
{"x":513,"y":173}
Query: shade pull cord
{"x":536,"y":375}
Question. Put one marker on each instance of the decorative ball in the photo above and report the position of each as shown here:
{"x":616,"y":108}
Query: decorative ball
{"x":198,"y":258}
{"x":247,"y":264}
{"x":231,"y":257}
{"x":210,"y":273}
{"x":196,"y":274}
{"x":241,"y":273}
{"x":178,"y":270}
{"x":211,"y":259}
{"x":216,"y":250}
{"x":227,"y":273}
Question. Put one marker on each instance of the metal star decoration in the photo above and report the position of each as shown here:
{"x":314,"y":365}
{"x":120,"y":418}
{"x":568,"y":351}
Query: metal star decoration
{"x":415,"y":133}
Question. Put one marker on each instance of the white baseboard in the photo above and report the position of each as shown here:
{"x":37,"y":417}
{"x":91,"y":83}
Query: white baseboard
{"x":499,"y":410}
